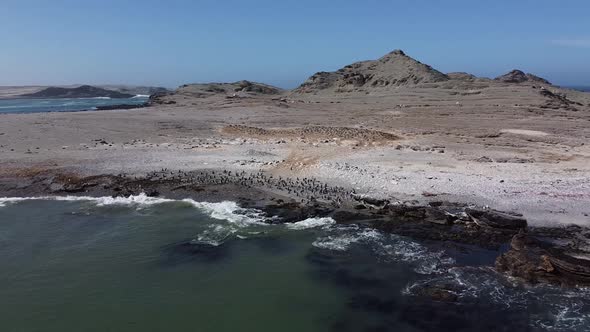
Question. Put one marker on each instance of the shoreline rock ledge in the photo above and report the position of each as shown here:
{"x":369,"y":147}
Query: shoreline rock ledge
{"x":536,"y":261}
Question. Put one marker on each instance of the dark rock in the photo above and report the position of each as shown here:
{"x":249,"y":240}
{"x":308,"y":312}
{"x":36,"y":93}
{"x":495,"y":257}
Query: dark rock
{"x":438,"y":292}
{"x":371,"y":303}
{"x":558,"y":100}
{"x":188,"y":251}
{"x":372,"y":202}
{"x":536,"y":261}
{"x":153,"y":193}
{"x":484,"y":159}
{"x":496,"y":219}
{"x":517,"y":76}
{"x":438,"y":217}
{"x":120,"y":107}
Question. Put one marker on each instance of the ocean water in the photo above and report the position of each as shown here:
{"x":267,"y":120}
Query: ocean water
{"x":151,"y":264}
{"x":64,"y":105}
{"x":580,"y":88}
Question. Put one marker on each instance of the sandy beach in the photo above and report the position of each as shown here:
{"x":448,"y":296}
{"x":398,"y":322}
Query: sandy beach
{"x":495,"y":146}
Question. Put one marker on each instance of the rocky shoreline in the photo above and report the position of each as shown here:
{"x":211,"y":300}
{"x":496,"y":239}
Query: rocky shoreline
{"x":120,"y":107}
{"x":533,"y":255}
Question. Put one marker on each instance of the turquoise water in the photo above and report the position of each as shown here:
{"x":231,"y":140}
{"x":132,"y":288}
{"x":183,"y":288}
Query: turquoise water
{"x":145,"y":264}
{"x":62,"y":105}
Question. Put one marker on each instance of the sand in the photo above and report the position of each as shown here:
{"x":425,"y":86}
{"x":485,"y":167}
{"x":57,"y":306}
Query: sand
{"x":495,"y":145}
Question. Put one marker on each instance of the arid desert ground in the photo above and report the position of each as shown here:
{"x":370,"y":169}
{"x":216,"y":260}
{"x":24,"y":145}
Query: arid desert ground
{"x":513,"y":146}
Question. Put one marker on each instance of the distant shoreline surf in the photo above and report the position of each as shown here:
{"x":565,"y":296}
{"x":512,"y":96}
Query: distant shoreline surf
{"x":36,"y":105}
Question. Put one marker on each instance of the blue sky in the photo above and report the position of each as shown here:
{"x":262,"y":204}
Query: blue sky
{"x":283,"y":42}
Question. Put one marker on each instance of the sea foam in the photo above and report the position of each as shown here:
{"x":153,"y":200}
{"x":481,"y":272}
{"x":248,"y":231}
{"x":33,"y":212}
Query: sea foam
{"x":311,"y":223}
{"x":226,"y":210}
{"x":388,"y":247}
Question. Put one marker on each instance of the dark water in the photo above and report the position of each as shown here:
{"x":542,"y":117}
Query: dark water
{"x":154,"y":265}
{"x":580,"y":88}
{"x":63,"y":105}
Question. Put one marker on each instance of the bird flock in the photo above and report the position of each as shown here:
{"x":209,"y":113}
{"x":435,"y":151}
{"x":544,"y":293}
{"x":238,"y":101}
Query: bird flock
{"x":304,"y":189}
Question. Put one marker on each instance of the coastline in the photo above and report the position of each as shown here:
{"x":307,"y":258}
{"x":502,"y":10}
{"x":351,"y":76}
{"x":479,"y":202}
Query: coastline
{"x":515,"y":179}
{"x":554,"y":260}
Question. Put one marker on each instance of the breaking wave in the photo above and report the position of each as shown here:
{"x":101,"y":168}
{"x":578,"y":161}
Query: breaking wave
{"x":226,"y":210}
{"x":311,"y":223}
{"x":550,"y":308}
{"x":388,"y":247}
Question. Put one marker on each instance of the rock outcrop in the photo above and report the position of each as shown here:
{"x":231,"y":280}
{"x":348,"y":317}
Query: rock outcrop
{"x":242,"y":88}
{"x":518,"y":76}
{"x":390,"y":71}
{"x":536,"y":261}
{"x":556,"y":100}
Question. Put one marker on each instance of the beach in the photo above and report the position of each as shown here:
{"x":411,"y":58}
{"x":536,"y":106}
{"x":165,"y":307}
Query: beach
{"x":481,"y":150}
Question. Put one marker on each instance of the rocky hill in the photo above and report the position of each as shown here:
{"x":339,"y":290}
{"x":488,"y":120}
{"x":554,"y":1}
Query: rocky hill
{"x":518,"y":76}
{"x":135,"y":89}
{"x":240,"y":89}
{"x":390,"y":71}
{"x":84,"y":91}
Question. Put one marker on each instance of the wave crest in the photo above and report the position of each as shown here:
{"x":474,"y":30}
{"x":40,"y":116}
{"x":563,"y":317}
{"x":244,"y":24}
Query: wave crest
{"x":311,"y":223}
{"x":225,"y":210}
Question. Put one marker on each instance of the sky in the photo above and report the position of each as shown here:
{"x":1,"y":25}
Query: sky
{"x":282,"y":42}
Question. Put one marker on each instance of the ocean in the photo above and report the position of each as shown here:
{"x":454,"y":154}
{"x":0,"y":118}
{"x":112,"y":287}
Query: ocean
{"x":64,"y":105}
{"x":580,"y":88}
{"x":152,"y":264}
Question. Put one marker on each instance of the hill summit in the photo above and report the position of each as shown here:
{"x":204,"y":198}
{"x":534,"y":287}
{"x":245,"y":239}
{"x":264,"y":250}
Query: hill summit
{"x":518,"y":76}
{"x":390,"y":71}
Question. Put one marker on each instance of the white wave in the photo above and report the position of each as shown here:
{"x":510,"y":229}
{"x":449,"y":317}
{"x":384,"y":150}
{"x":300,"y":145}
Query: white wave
{"x":227,"y":210}
{"x":100,"y":98}
{"x":311,"y":223}
{"x":426,"y":261}
{"x":19,"y":106}
{"x":141,"y":96}
{"x":215,"y":235}
{"x":230,"y":211}
{"x":390,"y":248}
{"x":9,"y":200}
{"x":343,"y":242}
{"x":138,"y":200}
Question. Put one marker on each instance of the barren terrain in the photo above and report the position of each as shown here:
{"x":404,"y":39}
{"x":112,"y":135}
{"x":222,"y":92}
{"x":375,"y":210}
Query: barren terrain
{"x":494,"y":144}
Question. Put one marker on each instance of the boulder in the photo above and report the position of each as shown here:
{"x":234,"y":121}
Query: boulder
{"x":496,"y":219}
